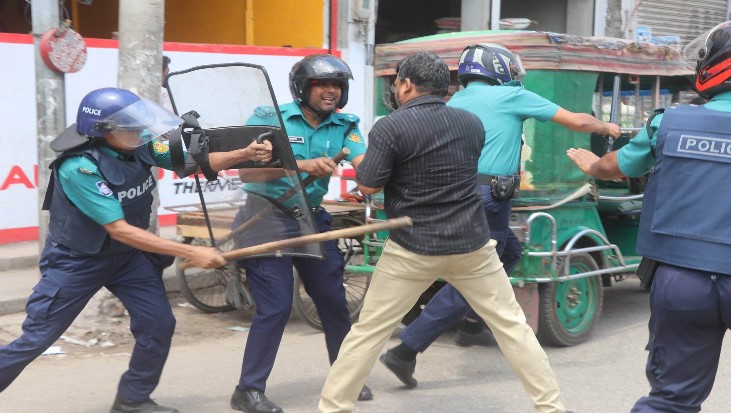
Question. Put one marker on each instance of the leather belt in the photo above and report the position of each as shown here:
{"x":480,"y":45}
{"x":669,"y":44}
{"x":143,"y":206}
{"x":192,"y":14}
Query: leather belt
{"x":483,"y":179}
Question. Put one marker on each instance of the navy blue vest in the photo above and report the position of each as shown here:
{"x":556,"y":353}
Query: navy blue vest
{"x":130,"y":182}
{"x":686,"y":219}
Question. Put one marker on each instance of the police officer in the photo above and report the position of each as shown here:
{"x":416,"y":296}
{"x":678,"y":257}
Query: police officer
{"x":319,"y":87}
{"x":99,"y":198}
{"x":491,"y":75}
{"x":684,"y":229}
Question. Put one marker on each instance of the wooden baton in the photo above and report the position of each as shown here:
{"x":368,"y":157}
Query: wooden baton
{"x":311,"y":239}
{"x":291,"y":191}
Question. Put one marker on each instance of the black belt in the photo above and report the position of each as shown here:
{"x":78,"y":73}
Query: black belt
{"x":483,"y":179}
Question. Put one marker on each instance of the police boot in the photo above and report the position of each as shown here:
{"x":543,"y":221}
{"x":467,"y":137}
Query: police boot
{"x":122,"y":405}
{"x":253,"y":401}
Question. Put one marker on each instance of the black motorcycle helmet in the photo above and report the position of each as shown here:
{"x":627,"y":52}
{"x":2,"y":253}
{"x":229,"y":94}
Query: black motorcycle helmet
{"x":319,"y":67}
{"x":712,"y":50}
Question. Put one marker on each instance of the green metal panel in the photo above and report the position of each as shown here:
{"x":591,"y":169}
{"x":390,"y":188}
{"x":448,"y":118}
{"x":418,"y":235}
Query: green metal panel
{"x":552,"y":171}
{"x":570,"y":219}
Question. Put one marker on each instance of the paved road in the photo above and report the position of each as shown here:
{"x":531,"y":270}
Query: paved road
{"x":605,"y":375}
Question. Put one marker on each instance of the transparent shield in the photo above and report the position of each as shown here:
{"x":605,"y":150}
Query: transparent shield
{"x":250,"y":203}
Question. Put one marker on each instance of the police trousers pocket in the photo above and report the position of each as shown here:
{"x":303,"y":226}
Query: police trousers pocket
{"x":160,"y":261}
{"x":39,"y":303}
{"x":505,"y":187}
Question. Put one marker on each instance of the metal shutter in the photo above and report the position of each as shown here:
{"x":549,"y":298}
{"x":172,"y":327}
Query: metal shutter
{"x":684,"y":18}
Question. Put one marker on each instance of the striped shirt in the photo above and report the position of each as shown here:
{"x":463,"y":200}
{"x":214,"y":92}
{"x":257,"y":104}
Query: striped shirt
{"x":424,"y":155}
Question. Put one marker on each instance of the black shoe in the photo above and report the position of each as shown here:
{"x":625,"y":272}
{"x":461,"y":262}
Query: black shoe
{"x":365,"y":393}
{"x":484,"y":339}
{"x":403,"y":369}
{"x":148,"y":406}
{"x":253,"y":401}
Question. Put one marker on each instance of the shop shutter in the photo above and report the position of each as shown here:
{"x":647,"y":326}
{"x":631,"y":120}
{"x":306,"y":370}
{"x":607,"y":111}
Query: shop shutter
{"x":683,"y":18}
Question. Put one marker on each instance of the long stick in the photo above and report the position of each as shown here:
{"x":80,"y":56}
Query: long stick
{"x":585,"y":189}
{"x":291,"y":191}
{"x":311,"y":239}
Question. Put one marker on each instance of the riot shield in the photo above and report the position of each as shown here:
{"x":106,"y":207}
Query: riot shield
{"x":226,"y":107}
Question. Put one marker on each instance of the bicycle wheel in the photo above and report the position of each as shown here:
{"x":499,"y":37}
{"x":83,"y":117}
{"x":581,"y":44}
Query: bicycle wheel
{"x":356,"y":285}
{"x":214,"y":290}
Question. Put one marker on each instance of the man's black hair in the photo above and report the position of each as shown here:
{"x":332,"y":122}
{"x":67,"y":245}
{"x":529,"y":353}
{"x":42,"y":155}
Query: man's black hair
{"x":427,"y":72}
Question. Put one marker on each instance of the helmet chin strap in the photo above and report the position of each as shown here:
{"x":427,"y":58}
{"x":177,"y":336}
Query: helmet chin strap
{"x":319,"y":113}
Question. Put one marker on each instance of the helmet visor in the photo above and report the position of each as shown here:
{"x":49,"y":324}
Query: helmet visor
{"x":140,"y":122}
{"x":713,"y":39}
{"x":517,"y":70}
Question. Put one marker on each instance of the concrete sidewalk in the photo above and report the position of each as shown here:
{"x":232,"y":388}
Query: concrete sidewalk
{"x":19,"y":272}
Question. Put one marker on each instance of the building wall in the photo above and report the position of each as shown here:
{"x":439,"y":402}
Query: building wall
{"x":211,"y":21}
{"x":549,"y":15}
{"x":292,"y":23}
{"x":296,"y":23}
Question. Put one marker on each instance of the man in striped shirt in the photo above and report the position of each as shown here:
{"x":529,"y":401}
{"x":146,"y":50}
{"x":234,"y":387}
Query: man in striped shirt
{"x":424,"y":156}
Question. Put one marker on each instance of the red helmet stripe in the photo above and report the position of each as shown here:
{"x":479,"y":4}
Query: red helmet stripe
{"x":713,"y":76}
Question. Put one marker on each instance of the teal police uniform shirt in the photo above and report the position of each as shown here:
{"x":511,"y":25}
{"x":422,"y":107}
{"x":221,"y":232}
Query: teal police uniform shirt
{"x":635,"y":158}
{"x":308,"y":143}
{"x":502,"y":110}
{"x":86,"y":188}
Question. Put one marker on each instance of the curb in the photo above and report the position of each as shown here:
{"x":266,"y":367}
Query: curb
{"x":14,"y":263}
{"x":13,"y":305}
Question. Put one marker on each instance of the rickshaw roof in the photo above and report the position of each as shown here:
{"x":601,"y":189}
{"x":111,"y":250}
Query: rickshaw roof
{"x":546,"y":51}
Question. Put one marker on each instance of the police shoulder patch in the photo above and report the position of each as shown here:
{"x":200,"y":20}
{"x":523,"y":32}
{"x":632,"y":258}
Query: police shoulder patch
{"x":103,"y":188}
{"x":265,"y":111}
{"x":354,"y":137}
{"x":160,"y":147}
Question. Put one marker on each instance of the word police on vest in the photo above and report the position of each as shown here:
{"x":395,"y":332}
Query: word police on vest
{"x":705,"y":145}
{"x":135,"y":192}
{"x":91,"y":111}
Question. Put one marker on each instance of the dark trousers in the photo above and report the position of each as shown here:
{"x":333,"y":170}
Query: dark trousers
{"x":67,"y":284}
{"x":690,"y":313}
{"x":271,"y":282}
{"x":448,"y":307}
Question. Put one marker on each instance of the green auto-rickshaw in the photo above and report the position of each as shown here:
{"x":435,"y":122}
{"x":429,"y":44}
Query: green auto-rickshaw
{"x":578,"y":234}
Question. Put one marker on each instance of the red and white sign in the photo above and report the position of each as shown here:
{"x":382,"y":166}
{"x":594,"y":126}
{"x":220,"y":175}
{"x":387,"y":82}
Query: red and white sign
{"x":18,"y":164}
{"x":63,"y":50}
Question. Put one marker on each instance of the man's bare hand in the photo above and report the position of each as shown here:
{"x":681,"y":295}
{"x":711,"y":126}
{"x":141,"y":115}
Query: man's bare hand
{"x":583,"y":159}
{"x":205,"y":257}
{"x":613,"y":130}
{"x":318,"y":167}
{"x":261,"y":152}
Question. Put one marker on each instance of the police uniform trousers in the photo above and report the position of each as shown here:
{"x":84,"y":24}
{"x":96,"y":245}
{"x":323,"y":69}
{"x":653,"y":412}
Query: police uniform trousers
{"x":271,"y":282}
{"x":398,"y":280}
{"x":448,"y":307}
{"x":690,"y":313}
{"x":66,"y":286}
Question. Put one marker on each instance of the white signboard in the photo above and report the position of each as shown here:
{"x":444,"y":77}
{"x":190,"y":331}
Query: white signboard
{"x":18,"y":159}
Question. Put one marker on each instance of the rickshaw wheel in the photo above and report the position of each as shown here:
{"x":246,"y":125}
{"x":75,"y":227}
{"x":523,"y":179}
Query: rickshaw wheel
{"x":569,"y":310}
{"x":356,"y":285}
{"x":213,"y":290}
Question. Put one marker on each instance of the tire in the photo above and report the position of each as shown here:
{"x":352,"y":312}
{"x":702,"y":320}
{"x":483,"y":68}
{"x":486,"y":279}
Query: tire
{"x":570,"y":310}
{"x":214,"y":290}
{"x":356,"y":285}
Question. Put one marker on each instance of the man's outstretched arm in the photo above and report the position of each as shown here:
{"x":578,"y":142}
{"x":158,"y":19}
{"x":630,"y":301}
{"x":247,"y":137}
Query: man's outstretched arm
{"x":605,"y":168}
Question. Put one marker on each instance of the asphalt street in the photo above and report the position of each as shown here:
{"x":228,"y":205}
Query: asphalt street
{"x":604,"y":375}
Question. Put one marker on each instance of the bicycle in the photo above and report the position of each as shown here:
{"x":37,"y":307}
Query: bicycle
{"x":226,"y":289}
